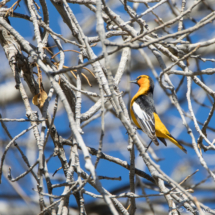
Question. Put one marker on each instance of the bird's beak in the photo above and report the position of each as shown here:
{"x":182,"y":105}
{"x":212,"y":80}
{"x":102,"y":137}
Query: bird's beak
{"x":134,"y":81}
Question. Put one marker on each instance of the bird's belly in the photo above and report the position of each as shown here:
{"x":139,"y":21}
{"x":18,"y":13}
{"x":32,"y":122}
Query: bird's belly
{"x":160,"y":129}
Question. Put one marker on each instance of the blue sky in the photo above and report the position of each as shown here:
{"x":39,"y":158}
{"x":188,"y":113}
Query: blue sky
{"x":173,"y":157}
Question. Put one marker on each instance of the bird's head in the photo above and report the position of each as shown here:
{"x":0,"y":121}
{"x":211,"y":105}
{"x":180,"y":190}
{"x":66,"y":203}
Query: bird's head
{"x":144,"y":81}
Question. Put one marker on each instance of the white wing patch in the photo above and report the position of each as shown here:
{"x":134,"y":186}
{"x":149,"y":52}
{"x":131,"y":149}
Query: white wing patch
{"x":145,"y":121}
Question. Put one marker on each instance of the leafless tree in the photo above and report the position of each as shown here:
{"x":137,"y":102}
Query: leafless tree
{"x":82,"y":75}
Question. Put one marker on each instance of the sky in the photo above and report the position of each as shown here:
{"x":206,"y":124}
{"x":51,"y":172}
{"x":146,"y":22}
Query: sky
{"x":173,"y":158}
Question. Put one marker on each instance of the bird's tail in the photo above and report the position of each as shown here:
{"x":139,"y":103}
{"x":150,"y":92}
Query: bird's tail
{"x":155,"y":141}
{"x":173,"y":140}
{"x":162,"y":140}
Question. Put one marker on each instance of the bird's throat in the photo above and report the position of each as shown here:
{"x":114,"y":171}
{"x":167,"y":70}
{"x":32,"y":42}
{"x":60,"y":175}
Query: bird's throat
{"x":143,"y":90}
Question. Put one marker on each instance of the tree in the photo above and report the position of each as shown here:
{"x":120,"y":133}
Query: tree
{"x":77,"y":139}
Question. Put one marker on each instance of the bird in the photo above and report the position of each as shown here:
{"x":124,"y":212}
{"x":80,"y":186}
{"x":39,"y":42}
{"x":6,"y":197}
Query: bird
{"x":144,"y":115}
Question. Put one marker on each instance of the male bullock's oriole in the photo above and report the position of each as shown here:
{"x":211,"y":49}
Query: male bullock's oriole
{"x":144,"y":115}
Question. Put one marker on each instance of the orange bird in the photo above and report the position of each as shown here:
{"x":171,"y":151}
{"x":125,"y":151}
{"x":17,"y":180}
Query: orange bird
{"x":144,"y":115}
